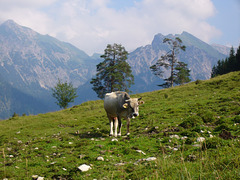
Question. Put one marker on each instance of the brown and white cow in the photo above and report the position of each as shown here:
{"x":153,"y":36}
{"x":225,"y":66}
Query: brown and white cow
{"x":119,"y":105}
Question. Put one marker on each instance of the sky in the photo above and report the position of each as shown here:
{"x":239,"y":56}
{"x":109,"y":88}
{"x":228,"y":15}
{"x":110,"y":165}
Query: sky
{"x":92,"y":24}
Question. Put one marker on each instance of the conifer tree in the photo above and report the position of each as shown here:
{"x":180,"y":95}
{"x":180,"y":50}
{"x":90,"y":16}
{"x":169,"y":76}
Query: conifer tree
{"x":114,"y":73}
{"x":169,"y":60}
{"x":231,"y":63}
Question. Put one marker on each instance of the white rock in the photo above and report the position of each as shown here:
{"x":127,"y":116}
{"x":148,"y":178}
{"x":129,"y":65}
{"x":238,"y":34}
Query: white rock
{"x":211,"y":136}
{"x":40,"y":178}
{"x":200,"y":139}
{"x":175,"y":136}
{"x":114,"y":139}
{"x":119,"y":164}
{"x":84,"y":168}
{"x":140,"y":151}
{"x":34,"y":176}
{"x":64,"y":169}
{"x":175,"y":149}
{"x":184,"y":137}
{"x":100,"y":158}
{"x":70,"y":142}
{"x":151,"y":159}
{"x":11,"y":156}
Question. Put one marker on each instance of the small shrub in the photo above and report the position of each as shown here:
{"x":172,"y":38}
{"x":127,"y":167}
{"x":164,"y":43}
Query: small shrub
{"x":165,"y":96}
{"x":236,"y":119}
{"x":191,"y":122}
{"x":221,"y":127}
{"x":213,"y":143}
{"x":207,"y":116}
{"x":198,"y":81}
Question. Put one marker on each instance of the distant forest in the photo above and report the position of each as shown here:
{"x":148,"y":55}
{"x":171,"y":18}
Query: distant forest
{"x":230,"y":64}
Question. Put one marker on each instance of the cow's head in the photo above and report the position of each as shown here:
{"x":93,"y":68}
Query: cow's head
{"x":132,"y":106}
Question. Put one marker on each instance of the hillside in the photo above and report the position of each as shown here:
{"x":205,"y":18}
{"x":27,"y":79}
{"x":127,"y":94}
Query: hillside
{"x":190,"y":131}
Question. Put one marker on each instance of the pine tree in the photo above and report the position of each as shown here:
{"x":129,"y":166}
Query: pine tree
{"x":169,"y":60}
{"x":238,"y":59}
{"x":114,"y":73}
{"x":183,"y":73}
{"x":231,"y":63}
{"x":64,"y":93}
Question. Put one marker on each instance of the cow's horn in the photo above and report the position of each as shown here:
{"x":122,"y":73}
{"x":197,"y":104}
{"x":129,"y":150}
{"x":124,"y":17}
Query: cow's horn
{"x":139,"y":98}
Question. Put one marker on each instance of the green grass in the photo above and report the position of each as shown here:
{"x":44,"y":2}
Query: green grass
{"x":53,"y":145}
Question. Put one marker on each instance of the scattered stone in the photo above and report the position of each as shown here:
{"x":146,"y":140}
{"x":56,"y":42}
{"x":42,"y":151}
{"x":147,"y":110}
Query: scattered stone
{"x":84,"y":167}
{"x":175,"y":149}
{"x":36,"y":148}
{"x":92,"y":139}
{"x":100,"y":158}
{"x":11,"y":156}
{"x":151,"y":159}
{"x":196,"y":145}
{"x":200,"y":139}
{"x":119,"y":164}
{"x":64,"y":169}
{"x":16,"y":167}
{"x":192,"y":157}
{"x":201,"y":131}
{"x":184,"y":137}
{"x":140,"y":151}
{"x":175,"y":136}
{"x":82,"y":156}
{"x":54,"y":147}
{"x":19,"y":142}
{"x":114,"y":139}
{"x":18,"y":132}
{"x":34,"y":177}
{"x":40,"y":178}
{"x":70,"y":143}
{"x":211,"y":136}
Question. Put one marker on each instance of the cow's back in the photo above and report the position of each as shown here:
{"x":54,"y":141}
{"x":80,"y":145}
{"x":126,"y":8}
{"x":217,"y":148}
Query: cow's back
{"x":113,"y":102}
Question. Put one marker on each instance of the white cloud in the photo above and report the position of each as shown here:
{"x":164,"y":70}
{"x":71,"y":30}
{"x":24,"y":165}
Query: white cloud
{"x":91,"y":24}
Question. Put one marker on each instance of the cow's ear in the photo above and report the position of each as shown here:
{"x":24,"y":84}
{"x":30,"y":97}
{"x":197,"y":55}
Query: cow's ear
{"x":125,"y":105}
{"x":140,"y":102}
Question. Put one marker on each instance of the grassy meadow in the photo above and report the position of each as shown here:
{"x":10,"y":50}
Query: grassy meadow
{"x":193,"y":131}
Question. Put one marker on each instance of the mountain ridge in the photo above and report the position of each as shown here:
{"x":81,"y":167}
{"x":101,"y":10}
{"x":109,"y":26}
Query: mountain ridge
{"x":32,"y":63}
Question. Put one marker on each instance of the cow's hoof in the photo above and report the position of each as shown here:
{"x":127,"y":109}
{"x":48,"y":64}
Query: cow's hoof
{"x":119,"y":134}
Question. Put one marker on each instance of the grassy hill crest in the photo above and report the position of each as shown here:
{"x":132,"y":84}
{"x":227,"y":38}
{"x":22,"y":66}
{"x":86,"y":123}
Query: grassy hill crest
{"x":192,"y":130}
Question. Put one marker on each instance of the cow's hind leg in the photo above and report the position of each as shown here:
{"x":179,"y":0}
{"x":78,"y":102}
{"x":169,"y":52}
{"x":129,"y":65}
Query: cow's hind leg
{"x":119,"y":126}
{"x":111,"y":125}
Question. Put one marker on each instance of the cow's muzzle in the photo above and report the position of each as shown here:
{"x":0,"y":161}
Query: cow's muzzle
{"x":135,"y":114}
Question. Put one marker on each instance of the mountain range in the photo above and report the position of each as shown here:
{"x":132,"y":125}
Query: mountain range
{"x":31,"y":64}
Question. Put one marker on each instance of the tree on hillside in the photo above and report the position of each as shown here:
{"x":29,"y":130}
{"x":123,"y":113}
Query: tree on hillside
{"x":64,"y":93}
{"x":114,"y":73}
{"x":230,"y":64}
{"x":178,"y":70}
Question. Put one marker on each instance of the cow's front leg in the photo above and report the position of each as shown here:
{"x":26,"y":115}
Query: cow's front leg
{"x":119,"y":126}
{"x":128,"y":124}
{"x":115,"y":119}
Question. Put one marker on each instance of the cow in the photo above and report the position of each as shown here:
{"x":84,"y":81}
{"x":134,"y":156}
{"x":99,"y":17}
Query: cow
{"x":119,"y":105}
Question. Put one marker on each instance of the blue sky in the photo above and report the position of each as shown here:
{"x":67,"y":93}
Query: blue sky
{"x":92,"y":24}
